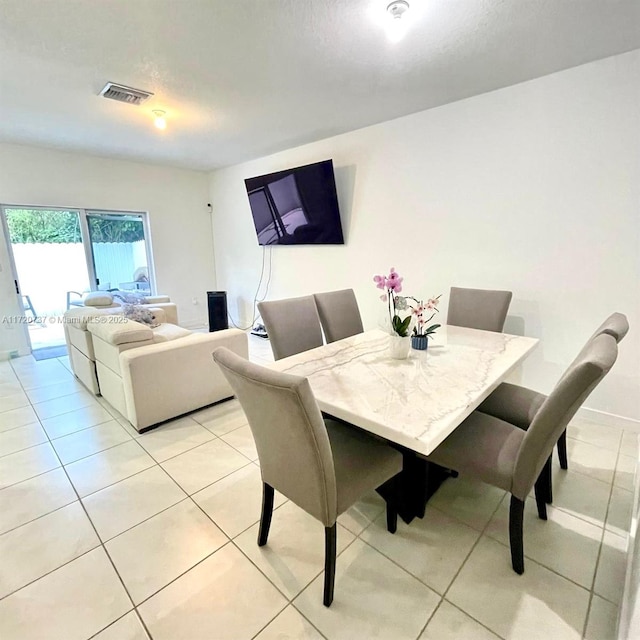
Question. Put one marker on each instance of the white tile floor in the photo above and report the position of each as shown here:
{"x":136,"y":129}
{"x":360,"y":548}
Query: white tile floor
{"x":113,"y":535}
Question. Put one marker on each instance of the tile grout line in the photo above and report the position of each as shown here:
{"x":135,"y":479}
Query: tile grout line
{"x":101,"y":543}
{"x":290,"y":601}
{"x":464,"y":562}
{"x":592,"y":591}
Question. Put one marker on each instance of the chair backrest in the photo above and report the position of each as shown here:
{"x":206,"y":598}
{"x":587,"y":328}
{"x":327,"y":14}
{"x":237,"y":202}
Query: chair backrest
{"x":615,"y":325}
{"x":551,"y":419}
{"x":339,"y":314}
{"x":289,"y":432}
{"x":478,"y":308}
{"x":292,"y":325}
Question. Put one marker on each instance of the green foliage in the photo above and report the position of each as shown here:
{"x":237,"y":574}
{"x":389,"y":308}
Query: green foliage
{"x":401,"y":327}
{"x":115,"y":229}
{"x":27,"y":226}
{"x":35,"y":225}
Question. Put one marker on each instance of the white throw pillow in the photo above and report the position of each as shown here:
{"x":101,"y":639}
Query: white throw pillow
{"x":97,"y":299}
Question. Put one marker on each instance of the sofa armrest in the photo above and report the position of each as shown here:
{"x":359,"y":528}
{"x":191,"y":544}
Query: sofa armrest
{"x":165,"y":380}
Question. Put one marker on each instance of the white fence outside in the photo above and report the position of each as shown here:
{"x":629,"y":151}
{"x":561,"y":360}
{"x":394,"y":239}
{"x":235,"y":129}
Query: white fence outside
{"x":116,"y":262}
{"x":48,"y":271}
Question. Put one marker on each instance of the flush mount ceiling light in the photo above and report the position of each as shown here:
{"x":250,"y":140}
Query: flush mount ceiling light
{"x":397,"y":9}
{"x":159,"y":119}
{"x":397,"y":25}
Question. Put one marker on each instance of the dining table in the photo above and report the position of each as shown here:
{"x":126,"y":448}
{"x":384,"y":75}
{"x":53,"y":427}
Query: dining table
{"x":412,"y":403}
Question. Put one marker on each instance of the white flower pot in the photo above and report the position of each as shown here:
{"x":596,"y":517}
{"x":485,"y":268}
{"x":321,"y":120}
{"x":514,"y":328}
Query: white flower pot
{"x":399,"y":347}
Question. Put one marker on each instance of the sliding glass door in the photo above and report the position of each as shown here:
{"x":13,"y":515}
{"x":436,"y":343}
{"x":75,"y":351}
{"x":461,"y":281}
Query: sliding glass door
{"x":119,"y":251}
{"x":58,"y":255}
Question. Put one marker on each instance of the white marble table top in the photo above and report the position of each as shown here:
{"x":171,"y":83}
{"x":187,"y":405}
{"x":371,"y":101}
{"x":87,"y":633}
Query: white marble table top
{"x":416,"y":402}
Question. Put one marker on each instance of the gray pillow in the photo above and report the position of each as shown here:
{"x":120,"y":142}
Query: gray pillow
{"x":139,"y":314}
{"x":128,"y":297}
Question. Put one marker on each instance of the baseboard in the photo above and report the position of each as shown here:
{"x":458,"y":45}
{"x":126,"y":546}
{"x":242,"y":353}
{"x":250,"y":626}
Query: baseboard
{"x":609,"y":419}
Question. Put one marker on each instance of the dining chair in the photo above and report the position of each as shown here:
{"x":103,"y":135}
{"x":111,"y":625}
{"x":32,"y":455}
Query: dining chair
{"x":321,"y":465}
{"x":339,"y":314}
{"x":518,"y":405}
{"x":478,"y":308}
{"x":292,"y":325}
{"x":503,"y":455}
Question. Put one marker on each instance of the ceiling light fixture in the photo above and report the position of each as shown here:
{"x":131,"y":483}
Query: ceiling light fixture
{"x":397,"y":27}
{"x":159,"y":120}
{"x":398,"y":8}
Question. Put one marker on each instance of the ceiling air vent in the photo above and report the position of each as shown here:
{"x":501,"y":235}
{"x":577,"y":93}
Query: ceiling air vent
{"x":124,"y":94}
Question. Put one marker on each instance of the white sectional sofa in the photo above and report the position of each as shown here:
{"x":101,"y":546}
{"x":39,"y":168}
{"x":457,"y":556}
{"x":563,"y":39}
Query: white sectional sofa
{"x":153,"y":375}
{"x":106,"y":300}
{"x":80,"y":343}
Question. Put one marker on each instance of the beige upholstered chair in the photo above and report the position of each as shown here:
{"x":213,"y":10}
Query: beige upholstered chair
{"x":321,"y":465}
{"x":292,"y":325}
{"x":518,"y":405}
{"x":339,"y":314}
{"x":478,"y":308}
{"x":515,"y":460}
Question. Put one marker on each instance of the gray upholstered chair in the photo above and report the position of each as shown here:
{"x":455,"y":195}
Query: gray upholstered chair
{"x":292,"y":325}
{"x":518,"y":405}
{"x":339,"y":314}
{"x":510,"y":458}
{"x":478,"y":308}
{"x":321,"y":465}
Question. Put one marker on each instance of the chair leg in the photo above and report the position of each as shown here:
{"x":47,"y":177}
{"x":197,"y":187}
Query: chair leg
{"x":329,"y":563}
{"x":392,"y":519}
{"x":265,"y":516}
{"x":562,"y":450}
{"x":516,"y":517}
{"x":549,"y":479}
{"x":542,"y":492}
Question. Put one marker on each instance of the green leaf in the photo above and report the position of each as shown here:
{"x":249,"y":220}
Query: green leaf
{"x":400,"y":326}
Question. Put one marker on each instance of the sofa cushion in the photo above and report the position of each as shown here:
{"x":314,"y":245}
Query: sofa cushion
{"x":79,"y":316}
{"x":97,"y":299}
{"x":119,"y":330}
{"x":166,"y":332}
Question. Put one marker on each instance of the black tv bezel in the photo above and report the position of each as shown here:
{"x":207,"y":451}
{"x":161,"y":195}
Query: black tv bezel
{"x":331,"y":194}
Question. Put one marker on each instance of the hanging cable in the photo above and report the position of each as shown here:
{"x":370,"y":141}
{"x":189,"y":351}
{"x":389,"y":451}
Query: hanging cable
{"x":255,"y":315}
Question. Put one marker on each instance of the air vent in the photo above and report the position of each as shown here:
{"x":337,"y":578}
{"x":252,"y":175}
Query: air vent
{"x":121,"y":93}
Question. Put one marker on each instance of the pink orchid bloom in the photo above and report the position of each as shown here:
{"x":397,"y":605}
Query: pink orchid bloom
{"x":394,"y":281}
{"x":418,"y":310}
{"x":380,"y":281}
{"x":432,"y":303}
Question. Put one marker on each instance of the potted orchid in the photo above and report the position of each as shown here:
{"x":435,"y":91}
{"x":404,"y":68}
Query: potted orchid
{"x":422,"y":330}
{"x":392,"y":285}
{"x":401,"y":325}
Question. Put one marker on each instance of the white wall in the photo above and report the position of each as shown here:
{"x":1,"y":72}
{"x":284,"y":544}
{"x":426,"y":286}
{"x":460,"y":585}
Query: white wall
{"x":175,"y":199}
{"x":533,"y":188}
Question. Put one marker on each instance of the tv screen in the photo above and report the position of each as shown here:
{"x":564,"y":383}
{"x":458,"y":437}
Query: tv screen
{"x":296,"y":206}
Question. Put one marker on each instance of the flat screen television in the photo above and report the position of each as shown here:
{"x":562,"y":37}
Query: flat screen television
{"x":296,"y":206}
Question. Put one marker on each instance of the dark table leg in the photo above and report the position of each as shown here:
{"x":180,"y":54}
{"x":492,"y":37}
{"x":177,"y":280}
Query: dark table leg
{"x":411,"y":489}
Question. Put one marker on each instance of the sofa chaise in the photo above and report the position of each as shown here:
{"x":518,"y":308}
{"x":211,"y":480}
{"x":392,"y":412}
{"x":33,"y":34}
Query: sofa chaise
{"x":153,"y":375}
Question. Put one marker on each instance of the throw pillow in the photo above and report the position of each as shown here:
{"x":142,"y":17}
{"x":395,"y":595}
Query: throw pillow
{"x":139,"y":314}
{"x":128,"y":297}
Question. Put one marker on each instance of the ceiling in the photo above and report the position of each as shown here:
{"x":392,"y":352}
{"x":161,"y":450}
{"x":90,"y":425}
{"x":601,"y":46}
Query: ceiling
{"x":240,"y":79}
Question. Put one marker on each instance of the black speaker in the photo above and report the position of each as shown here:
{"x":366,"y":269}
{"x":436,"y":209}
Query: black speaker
{"x":217,"y":302}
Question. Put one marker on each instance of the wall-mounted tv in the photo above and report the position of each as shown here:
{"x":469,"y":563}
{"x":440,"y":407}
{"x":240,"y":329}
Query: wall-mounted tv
{"x":296,"y":206}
